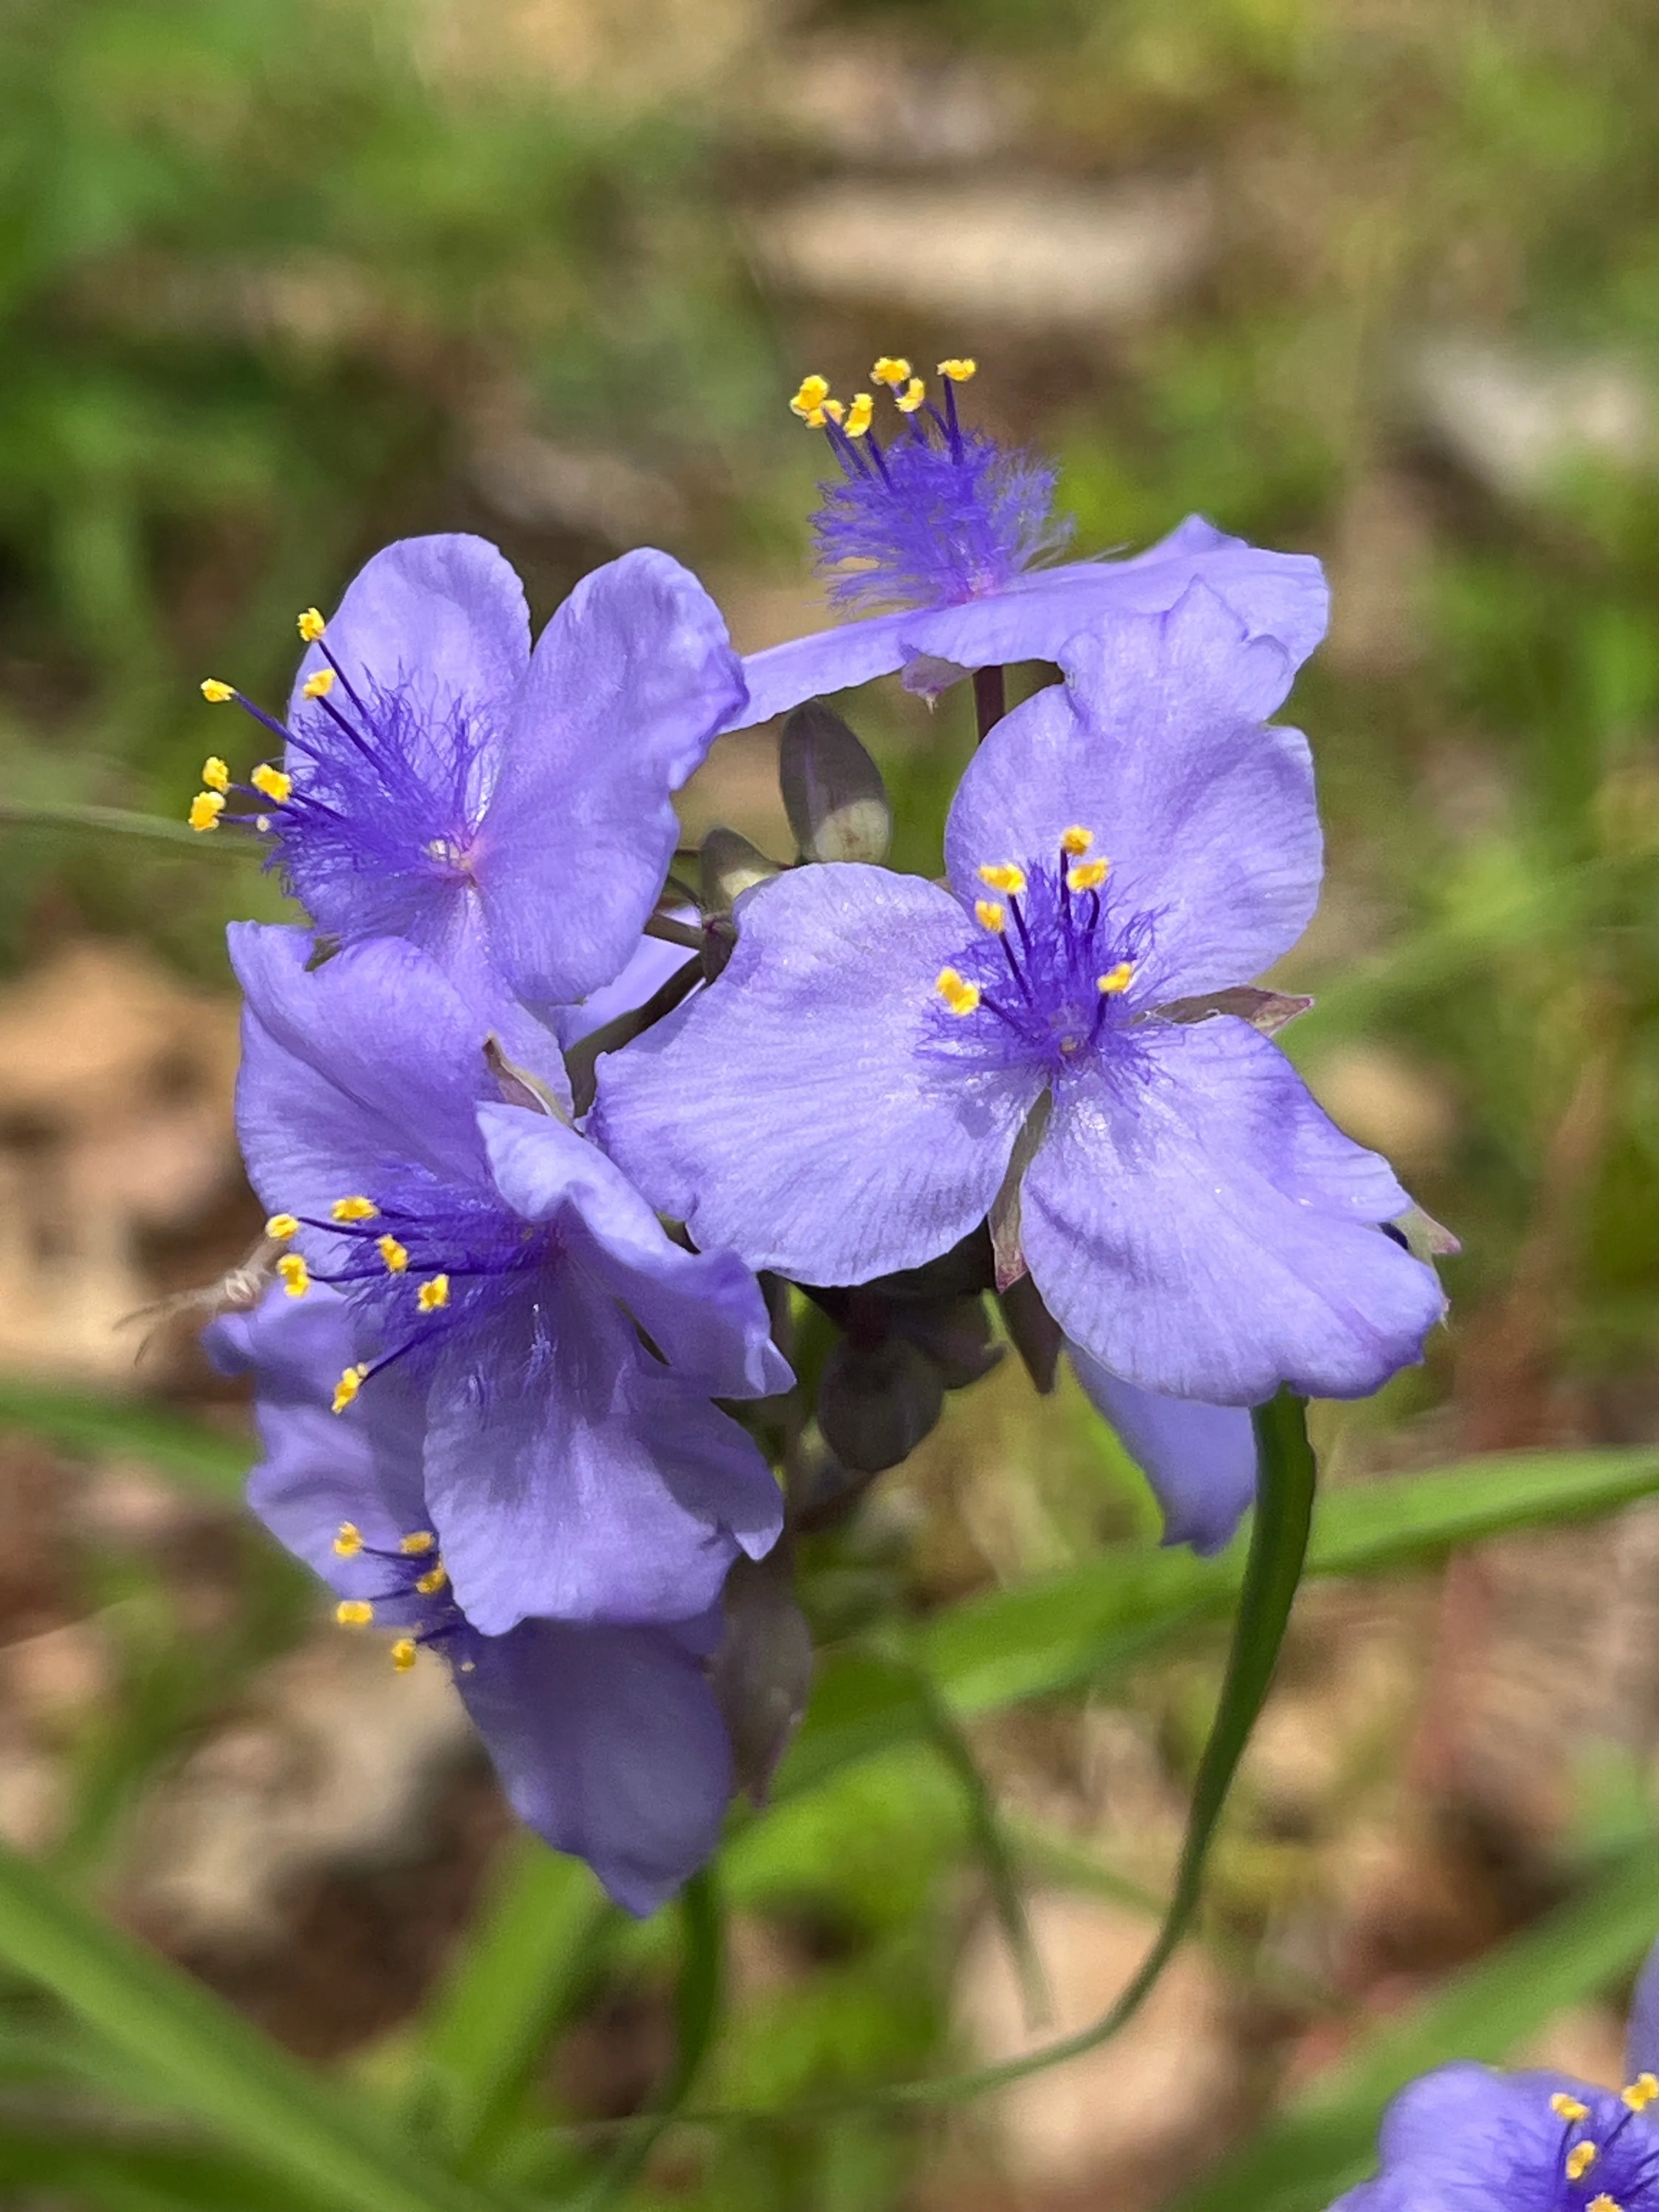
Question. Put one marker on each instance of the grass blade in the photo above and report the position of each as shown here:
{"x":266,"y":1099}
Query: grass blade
{"x":88,"y":1421}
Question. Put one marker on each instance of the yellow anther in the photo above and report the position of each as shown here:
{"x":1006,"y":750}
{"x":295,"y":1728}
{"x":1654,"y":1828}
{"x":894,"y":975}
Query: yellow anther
{"x":432,"y":1295}
{"x":809,"y":400}
{"x":403,"y":1654}
{"x":205,"y":808}
{"x":1115,"y":980}
{"x":395,"y":1255}
{"x":833,"y":409}
{"x":354,"y":1613}
{"x":1568,"y":2108}
{"x":216,"y":693}
{"x":418,"y":1543}
{"x":1004,"y":876}
{"x":349,"y":1542}
{"x":282,"y":1226}
{"x":959,"y":372}
{"x":296,"y":1276}
{"x":1604,"y":2203}
{"x":355,"y":1208}
{"x":816,"y":420}
{"x":1087,"y":875}
{"x":911,"y":398}
{"x":312,"y":625}
{"x":319,"y":685}
{"x":433,"y":1580}
{"x":215,"y":774}
{"x":1076,"y":840}
{"x":892,"y":372}
{"x":1580,"y":2158}
{"x":275,"y":785}
{"x":1641,"y":2093}
{"x":350,"y":1382}
{"x":991,"y":914}
{"x":858,"y":415}
{"x":959,"y":994}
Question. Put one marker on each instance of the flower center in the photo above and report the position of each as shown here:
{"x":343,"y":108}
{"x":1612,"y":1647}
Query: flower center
{"x":1059,"y":972}
{"x":374,"y":813}
{"x":1608,"y":2155}
{"x":420,"y":1261}
{"x":941,"y":514}
{"x":414,"y":1598}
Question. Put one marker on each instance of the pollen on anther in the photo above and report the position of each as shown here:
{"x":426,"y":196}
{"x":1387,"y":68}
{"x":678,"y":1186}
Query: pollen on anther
{"x":310,"y":625}
{"x":215,"y":774}
{"x":1640,"y":2094}
{"x":1004,"y":876}
{"x":958,"y":371}
{"x":432,"y":1295}
{"x":216,"y":693}
{"x":205,"y":808}
{"x":1568,"y":2108}
{"x":273,"y":782}
{"x":350,"y":1382}
{"x":1604,"y":2203}
{"x":809,"y":399}
{"x":349,"y":1542}
{"x":891,"y":371}
{"x":418,"y":1543}
{"x":403,"y":1652}
{"x":432,"y":1581}
{"x":354,"y":1613}
{"x":1115,"y":980}
{"x":296,"y":1276}
{"x":319,"y":685}
{"x":1580,"y":2158}
{"x":1087,"y":875}
{"x":860,"y":415}
{"x":395,"y":1255}
{"x":959,"y":994}
{"x":911,"y":398}
{"x":355,"y":1208}
{"x":1076,"y":840}
{"x":992,"y":914}
{"x":283,"y":1226}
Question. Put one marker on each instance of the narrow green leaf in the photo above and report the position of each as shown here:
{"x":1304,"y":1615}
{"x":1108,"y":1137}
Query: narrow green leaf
{"x":124,"y":822}
{"x":491,"y":2022}
{"x":214,"y":2066}
{"x":87,"y":1421}
{"x":1326,"y":2140}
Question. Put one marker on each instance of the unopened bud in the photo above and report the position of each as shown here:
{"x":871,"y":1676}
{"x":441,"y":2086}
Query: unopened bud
{"x":955,"y":1334}
{"x":764,"y":1668}
{"x":833,"y":791}
{"x":875,"y":1405}
{"x":729,"y":865}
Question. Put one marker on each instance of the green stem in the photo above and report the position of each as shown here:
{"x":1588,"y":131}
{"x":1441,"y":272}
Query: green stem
{"x":122,"y":821}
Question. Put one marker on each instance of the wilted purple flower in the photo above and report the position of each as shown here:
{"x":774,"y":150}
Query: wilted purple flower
{"x":884,"y":1060}
{"x":1200,"y":1461}
{"x":607,"y":1738}
{"x":559,"y":1352}
{"x":1484,"y":2142}
{"x":506,"y":811}
{"x":937,"y":539}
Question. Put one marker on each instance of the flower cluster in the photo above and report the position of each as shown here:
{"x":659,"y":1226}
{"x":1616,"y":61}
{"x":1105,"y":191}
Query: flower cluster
{"x":513,"y":1360}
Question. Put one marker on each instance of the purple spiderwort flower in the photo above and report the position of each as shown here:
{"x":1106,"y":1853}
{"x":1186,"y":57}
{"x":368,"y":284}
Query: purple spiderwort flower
{"x":560,"y":1352}
{"x":506,"y":811}
{"x":1525,"y":2143}
{"x":885,"y":1060}
{"x":606,"y":1737}
{"x":1200,"y":1461}
{"x":936,"y":540}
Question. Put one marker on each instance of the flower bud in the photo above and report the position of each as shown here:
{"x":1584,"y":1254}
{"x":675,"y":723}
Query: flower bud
{"x":877,"y":1403}
{"x":764,"y":1668}
{"x":729,"y":865}
{"x":833,"y":791}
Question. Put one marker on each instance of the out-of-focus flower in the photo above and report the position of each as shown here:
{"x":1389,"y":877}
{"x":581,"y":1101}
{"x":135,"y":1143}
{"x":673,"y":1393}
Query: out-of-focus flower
{"x":506,"y":811}
{"x":884,"y":1061}
{"x":938,"y":539}
{"x":608,"y":1738}
{"x":558,"y":1353}
{"x":1486,"y":2142}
